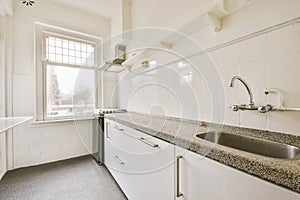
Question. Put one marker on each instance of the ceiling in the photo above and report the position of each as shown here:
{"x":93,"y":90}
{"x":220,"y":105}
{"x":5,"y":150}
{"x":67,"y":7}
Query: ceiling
{"x":103,"y":8}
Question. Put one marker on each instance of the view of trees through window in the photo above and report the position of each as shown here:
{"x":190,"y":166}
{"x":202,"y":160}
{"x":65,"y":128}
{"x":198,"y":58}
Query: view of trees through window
{"x":70,"y":87}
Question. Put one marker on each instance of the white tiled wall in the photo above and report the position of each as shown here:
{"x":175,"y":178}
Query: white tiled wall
{"x":35,"y":145}
{"x":2,"y":95}
{"x":270,"y":60}
{"x":31,"y":145}
{"x":109,"y":83}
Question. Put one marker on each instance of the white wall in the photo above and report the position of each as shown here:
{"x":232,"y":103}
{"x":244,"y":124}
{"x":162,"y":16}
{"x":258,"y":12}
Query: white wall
{"x":6,"y":7}
{"x":2,"y":95}
{"x":270,"y":60}
{"x":2,"y":66}
{"x":166,"y":14}
{"x":35,"y":144}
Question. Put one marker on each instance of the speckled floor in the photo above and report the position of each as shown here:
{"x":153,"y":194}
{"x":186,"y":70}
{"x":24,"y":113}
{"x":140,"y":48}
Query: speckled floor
{"x":74,"y":179}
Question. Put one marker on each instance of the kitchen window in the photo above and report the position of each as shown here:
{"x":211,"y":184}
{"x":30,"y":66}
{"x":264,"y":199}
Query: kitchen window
{"x":69,"y":68}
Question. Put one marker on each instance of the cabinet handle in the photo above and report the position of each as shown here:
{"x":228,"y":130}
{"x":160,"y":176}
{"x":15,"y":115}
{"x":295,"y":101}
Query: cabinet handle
{"x":178,"y":193}
{"x":148,"y":143}
{"x":118,"y":128}
{"x":119,"y":160}
{"x":106,"y":130}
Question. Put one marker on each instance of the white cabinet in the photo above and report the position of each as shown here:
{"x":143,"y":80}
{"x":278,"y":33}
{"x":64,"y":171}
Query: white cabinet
{"x":148,"y":168}
{"x":142,"y":165}
{"x":205,"y":179}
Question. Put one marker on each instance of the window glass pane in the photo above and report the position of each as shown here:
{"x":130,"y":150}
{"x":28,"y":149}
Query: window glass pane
{"x":90,"y":49}
{"x":65,"y":52}
{"x":51,"y":49}
{"x":71,"y":45}
{"x":69,"y":52}
{"x":58,"y":43}
{"x":70,"y":91}
{"x":89,"y":55}
{"x":65,"y":44}
{"x":51,"y":57}
{"x":83,"y":47}
{"x":58,"y":50}
{"x":78,"y":54}
{"x":59,"y":58}
{"x":92,"y":56}
{"x":51,"y":41}
{"x":77,"y":46}
{"x":65,"y":59}
{"x":71,"y":60}
{"x":78,"y":61}
{"x":84,"y":58}
{"x":89,"y":62}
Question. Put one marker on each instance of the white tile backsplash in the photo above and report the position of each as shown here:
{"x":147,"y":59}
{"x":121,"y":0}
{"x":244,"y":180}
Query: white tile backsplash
{"x":288,"y":82}
{"x":228,"y":67}
{"x":249,"y":70}
{"x":270,"y":60}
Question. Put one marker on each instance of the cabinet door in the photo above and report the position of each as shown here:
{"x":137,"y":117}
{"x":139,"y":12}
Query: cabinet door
{"x":201,"y":178}
{"x":144,"y":169}
{"x":195,"y":179}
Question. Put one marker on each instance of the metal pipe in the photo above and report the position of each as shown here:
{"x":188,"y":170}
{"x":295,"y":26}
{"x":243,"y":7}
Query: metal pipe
{"x":280,"y":106}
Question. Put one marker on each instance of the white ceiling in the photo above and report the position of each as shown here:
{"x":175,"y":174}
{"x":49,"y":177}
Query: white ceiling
{"x":103,"y":8}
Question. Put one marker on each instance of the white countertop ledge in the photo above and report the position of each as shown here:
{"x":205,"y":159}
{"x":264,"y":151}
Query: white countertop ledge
{"x":7,"y":123}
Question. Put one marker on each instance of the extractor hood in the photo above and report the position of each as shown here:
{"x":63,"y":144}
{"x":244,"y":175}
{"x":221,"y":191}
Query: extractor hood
{"x":116,"y":64}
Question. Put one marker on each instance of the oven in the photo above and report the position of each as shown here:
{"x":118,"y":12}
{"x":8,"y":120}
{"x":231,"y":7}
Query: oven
{"x":99,"y":132}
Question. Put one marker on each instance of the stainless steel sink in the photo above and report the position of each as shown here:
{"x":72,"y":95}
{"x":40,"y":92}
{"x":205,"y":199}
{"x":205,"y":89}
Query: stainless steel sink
{"x":252,"y":145}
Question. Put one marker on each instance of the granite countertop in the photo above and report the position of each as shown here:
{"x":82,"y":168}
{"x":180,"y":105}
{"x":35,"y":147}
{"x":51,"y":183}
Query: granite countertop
{"x":181,"y":132}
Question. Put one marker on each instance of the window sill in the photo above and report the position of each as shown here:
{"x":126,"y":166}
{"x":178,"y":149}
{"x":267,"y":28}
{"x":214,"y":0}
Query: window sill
{"x":56,"y":122}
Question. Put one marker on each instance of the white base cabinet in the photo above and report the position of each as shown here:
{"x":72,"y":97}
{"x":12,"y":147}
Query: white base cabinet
{"x":143,"y":166}
{"x":147,"y":168}
{"x":201,"y":178}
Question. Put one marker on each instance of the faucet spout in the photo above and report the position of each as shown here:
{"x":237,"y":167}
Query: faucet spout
{"x":251,"y":103}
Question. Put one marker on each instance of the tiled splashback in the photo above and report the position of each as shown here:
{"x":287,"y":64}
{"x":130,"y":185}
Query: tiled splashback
{"x":269,"y":60}
{"x":266,"y":61}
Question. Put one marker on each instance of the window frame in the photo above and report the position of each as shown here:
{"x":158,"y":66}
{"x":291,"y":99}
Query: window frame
{"x":45,"y":63}
{"x":40,"y":68}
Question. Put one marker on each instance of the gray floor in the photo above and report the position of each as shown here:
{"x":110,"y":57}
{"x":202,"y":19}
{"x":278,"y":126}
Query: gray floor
{"x":75,"y":179}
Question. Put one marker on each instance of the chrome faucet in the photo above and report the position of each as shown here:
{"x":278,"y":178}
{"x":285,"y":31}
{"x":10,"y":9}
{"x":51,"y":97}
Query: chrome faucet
{"x":251,"y":105}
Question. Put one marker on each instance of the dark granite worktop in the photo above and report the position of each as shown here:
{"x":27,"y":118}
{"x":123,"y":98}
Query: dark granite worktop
{"x":182,"y":132}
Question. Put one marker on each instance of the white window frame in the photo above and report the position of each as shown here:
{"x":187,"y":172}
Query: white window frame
{"x":41,"y":67}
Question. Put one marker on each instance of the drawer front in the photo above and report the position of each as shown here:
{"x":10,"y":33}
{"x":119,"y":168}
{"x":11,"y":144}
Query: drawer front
{"x":148,"y":186}
{"x":138,"y":163}
{"x":135,"y":152}
{"x":133,"y":141}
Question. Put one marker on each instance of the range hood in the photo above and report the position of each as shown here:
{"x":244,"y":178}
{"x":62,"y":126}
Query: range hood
{"x":116,"y":64}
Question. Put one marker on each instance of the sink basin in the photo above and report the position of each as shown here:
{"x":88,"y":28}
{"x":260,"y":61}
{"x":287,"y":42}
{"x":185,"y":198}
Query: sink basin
{"x":252,"y":145}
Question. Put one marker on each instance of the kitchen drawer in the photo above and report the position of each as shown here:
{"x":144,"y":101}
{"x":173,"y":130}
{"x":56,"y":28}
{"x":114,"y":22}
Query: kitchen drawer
{"x":147,"y":186}
{"x":128,"y":162}
{"x":133,"y":141}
